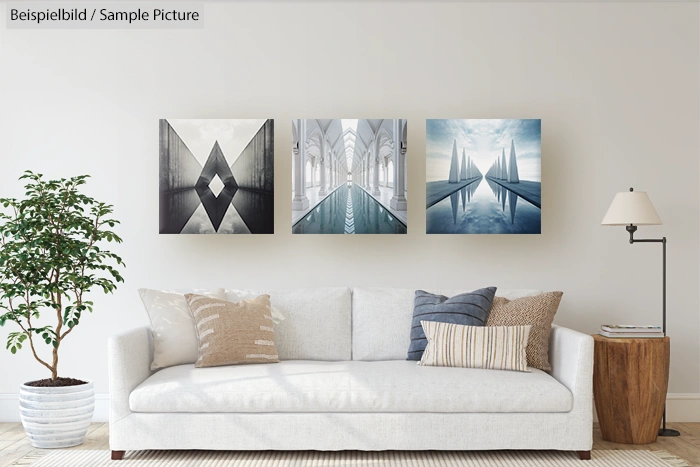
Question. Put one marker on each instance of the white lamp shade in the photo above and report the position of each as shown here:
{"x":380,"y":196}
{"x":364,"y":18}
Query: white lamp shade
{"x":631,"y":207}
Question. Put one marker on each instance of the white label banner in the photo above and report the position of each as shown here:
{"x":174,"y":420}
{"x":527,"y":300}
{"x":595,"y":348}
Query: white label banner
{"x":136,"y":15}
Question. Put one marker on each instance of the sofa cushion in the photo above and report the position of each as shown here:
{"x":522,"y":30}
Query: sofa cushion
{"x":381,"y":319}
{"x":352,"y":386}
{"x":468,"y":309}
{"x":310,"y":324}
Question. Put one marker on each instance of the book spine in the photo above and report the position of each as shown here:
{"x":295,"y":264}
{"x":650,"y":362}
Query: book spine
{"x":624,"y":330}
{"x":629,"y":335}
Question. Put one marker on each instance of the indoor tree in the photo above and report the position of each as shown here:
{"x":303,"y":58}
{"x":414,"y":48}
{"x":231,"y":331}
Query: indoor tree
{"x":50,"y":258}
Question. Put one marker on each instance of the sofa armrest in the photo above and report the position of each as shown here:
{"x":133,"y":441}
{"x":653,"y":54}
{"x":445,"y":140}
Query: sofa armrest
{"x":571,"y":356}
{"x":129,"y":360}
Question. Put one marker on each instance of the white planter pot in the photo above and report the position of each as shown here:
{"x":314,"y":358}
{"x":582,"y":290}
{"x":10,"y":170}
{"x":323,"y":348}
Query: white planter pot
{"x":56,"y":417}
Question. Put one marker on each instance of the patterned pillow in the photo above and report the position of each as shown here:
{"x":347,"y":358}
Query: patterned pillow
{"x":469,"y":309}
{"x":488,"y":347}
{"x":538,"y":312}
{"x":233,"y":333}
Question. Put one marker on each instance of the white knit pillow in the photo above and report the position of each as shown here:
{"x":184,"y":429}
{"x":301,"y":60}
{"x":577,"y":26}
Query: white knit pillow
{"x":174,"y":336}
{"x":488,"y":347}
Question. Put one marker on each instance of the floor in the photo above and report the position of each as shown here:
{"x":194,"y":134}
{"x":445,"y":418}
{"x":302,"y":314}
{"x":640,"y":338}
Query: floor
{"x":14,"y":444}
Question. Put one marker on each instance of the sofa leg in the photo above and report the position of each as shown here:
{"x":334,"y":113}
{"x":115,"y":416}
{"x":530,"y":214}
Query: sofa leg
{"x":117,"y":455}
{"x":584,"y":455}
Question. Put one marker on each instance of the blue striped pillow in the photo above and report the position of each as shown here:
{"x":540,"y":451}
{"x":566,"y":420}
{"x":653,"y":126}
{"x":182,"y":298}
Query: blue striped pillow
{"x":467,"y":309}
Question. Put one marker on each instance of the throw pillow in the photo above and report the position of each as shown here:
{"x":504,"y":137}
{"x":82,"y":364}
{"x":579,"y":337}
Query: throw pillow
{"x":488,"y":347}
{"x":174,"y":337}
{"x":233,"y":333}
{"x":236,"y":295}
{"x":469,"y":309}
{"x":538,"y":312}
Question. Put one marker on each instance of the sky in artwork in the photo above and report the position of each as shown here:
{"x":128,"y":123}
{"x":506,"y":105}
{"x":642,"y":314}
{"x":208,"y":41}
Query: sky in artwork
{"x":200,"y":135}
{"x":483,"y":141}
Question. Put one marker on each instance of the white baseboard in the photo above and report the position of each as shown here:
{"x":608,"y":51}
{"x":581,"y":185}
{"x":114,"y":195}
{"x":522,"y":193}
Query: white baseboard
{"x":681,"y":407}
{"x":9,"y":408}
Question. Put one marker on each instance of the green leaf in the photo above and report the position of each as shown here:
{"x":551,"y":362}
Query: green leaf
{"x":53,"y":256}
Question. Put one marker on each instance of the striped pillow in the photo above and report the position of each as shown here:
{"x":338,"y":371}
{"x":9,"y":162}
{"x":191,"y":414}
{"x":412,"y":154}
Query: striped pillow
{"x":493,"y":348}
{"x":233,"y":333}
{"x":467,"y":309}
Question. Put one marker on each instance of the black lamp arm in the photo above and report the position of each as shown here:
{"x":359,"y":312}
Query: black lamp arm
{"x":633,"y":228}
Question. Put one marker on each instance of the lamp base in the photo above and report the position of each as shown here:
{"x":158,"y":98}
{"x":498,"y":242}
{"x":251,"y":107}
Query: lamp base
{"x":669,"y":432}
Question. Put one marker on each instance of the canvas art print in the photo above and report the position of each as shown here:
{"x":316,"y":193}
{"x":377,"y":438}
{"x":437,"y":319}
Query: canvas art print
{"x":483,"y":176}
{"x":216,"y":176}
{"x":349,"y":176}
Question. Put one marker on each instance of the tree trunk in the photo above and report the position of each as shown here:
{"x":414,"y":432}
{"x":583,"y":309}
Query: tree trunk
{"x":54,"y":366}
{"x":59,"y":315}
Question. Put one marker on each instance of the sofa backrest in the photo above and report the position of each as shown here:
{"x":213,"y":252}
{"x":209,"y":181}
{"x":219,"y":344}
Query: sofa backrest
{"x":381,"y":319}
{"x":335,"y":323}
{"x":310,"y":324}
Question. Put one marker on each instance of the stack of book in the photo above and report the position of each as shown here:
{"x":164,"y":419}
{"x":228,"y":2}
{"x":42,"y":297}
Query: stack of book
{"x":629,"y":331}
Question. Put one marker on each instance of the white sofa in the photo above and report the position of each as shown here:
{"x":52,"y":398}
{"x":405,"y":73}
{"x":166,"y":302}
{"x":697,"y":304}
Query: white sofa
{"x":344,"y":384}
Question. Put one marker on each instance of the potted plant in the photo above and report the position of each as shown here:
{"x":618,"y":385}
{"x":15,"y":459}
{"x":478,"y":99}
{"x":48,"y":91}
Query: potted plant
{"x":51,"y":256}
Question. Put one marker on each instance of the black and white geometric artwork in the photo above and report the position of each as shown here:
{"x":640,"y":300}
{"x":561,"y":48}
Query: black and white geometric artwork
{"x":216,"y":176}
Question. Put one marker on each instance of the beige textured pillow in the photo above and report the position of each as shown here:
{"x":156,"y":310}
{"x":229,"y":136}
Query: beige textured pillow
{"x":233,"y":333}
{"x":538,"y":312}
{"x":491,"y":348}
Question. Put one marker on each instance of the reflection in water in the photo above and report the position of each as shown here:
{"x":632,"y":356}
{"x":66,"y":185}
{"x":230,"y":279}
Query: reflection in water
{"x":199,"y":223}
{"x":499,"y":192}
{"x":216,"y":206}
{"x":235,"y":210}
{"x":454,"y":199}
{"x":349,"y":210}
{"x":176,"y":208}
{"x":257,"y":210}
{"x":512,"y":201}
{"x":484,"y":212}
{"x":466,"y":193}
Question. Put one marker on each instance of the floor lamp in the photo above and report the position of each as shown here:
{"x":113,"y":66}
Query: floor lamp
{"x":633,"y":208}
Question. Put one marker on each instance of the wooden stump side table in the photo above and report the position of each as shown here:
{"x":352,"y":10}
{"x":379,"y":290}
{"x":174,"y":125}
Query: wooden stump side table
{"x":630,"y":379}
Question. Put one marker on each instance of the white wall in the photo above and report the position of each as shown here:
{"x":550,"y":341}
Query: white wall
{"x":616,"y":86}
